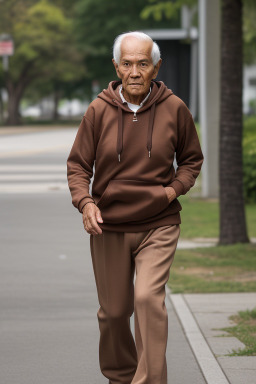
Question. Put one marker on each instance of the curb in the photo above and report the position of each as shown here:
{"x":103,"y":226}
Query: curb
{"x":210,"y":367}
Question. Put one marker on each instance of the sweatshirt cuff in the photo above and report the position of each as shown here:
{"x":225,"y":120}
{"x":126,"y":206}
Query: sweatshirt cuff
{"x":178,"y":187}
{"x":83,"y":202}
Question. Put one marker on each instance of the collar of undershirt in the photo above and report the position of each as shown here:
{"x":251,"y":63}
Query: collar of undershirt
{"x":125,"y":101}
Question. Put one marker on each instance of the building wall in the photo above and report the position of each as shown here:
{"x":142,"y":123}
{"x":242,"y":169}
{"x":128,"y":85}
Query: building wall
{"x":175,"y":68}
{"x":249,"y":91}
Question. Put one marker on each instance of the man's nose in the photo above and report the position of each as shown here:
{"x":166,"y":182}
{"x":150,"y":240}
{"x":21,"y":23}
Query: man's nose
{"x":134,"y":71}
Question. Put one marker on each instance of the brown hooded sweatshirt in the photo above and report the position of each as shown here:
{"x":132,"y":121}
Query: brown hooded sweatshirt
{"x":133,"y":155}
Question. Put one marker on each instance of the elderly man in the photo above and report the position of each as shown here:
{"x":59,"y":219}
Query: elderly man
{"x":131,"y":133}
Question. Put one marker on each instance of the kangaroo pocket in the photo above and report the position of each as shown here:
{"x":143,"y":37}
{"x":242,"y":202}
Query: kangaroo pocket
{"x":132,"y":201}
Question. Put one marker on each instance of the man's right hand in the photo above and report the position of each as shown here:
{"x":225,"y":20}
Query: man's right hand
{"x":91,"y":217}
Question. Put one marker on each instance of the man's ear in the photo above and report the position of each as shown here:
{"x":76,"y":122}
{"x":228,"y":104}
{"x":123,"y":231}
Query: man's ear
{"x":116,"y":68}
{"x":156,"y":69}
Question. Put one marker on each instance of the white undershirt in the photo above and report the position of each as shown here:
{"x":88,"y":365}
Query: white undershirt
{"x":133,"y":107}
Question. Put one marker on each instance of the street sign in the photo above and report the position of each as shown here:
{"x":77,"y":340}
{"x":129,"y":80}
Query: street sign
{"x":6,"y":48}
{"x":6,"y":45}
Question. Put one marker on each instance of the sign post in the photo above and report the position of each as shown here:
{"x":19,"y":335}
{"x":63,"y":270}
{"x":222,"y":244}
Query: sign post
{"x":6,"y":49}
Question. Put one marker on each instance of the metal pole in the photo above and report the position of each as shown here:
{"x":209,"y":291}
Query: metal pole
{"x":209,"y":88}
{"x":5,"y":63}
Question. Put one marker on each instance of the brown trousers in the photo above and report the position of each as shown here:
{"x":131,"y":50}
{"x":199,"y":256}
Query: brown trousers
{"x":115,"y":257}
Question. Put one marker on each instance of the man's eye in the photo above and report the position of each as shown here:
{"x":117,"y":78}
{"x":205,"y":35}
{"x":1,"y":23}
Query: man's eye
{"x":143,"y":64}
{"x":126,"y":64}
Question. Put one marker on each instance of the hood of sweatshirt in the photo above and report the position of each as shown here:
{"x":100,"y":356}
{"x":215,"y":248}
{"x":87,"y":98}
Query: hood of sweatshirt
{"x":159,"y":93}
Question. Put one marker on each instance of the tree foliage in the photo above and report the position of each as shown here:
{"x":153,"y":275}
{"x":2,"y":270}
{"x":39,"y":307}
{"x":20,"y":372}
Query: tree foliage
{"x":165,"y":9}
{"x":249,"y":31}
{"x":97,"y":26}
{"x":170,"y":9}
{"x":41,"y":38}
{"x":44,"y":47}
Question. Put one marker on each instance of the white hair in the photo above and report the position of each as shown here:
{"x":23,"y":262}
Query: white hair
{"x":155,"y":53}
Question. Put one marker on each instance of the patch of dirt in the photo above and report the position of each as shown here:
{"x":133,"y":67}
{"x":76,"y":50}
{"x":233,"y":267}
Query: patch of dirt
{"x":252,"y":323}
{"x":245,"y":277}
{"x":217,"y":274}
{"x":196,"y":271}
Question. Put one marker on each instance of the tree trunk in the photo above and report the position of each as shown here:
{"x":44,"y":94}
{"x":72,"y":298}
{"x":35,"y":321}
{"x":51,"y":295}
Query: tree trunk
{"x":1,"y":108}
{"x":232,"y":209}
{"x":56,"y":98}
{"x":13,"y":109}
{"x":15,"y":92}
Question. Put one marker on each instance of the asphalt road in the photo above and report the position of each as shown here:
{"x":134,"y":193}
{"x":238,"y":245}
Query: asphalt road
{"x":48,"y":301}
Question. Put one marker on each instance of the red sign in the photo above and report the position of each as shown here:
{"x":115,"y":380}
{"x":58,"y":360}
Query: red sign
{"x":6,"y":48}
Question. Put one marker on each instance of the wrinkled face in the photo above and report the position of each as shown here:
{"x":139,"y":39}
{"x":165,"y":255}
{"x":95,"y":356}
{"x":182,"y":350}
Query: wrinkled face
{"x":136,"y":69}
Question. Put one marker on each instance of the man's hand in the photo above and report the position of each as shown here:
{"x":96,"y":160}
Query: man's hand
{"x":91,"y":217}
{"x":171,"y":194}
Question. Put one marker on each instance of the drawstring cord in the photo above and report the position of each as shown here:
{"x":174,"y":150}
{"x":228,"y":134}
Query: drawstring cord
{"x":119,"y":146}
{"x":150,"y":128}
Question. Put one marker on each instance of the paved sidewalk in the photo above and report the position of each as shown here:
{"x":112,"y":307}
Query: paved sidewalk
{"x":35,"y":142}
{"x":202,"y":317}
{"x":21,"y":129}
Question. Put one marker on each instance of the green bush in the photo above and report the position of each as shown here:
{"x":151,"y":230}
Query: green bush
{"x":249,"y":168}
{"x":249,"y":159}
{"x":253,"y":106}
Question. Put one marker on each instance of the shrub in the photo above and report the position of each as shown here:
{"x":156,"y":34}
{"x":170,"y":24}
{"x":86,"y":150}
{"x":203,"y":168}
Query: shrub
{"x":249,"y":159}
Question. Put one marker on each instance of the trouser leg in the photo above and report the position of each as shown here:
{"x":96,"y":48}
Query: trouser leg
{"x":153,"y":259}
{"x":114,"y":271}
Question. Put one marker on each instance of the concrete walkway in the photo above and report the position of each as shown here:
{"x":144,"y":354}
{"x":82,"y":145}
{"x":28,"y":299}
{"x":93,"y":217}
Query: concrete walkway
{"x":202,"y":316}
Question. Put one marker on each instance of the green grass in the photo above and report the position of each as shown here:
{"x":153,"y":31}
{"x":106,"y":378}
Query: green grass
{"x":249,"y":135}
{"x":245,"y":331}
{"x":218,"y":269}
{"x":200,"y":218}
